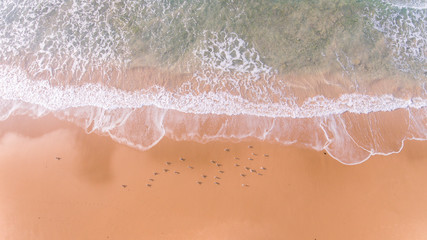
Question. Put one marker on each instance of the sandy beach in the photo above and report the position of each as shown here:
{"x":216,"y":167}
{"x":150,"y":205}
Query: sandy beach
{"x":57,"y":182}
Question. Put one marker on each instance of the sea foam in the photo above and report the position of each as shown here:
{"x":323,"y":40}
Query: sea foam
{"x":415,"y":4}
{"x":406,"y":33}
{"x":15,"y":85}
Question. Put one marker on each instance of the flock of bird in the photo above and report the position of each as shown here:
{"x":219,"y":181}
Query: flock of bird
{"x":216,"y":179}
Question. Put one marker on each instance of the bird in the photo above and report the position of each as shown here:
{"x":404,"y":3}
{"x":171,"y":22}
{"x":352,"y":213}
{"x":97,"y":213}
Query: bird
{"x":176,"y":172}
{"x":245,"y":185}
{"x":204,"y":176}
{"x":151,"y":179}
{"x":324,"y":153}
{"x":253,"y":170}
{"x":250,"y":146}
{"x":156,"y":173}
{"x":190,"y":167}
{"x":124,"y":186}
{"x":168,"y":163}
{"x":217,"y":183}
{"x":250,"y":159}
{"x":237,"y":165}
{"x":198,"y":182}
{"x":254,"y":154}
{"x":58,"y":158}
{"x":148,"y":185}
{"x":260,"y":174}
{"x":243,"y":175}
{"x":182,"y":159}
{"x":165,"y":170}
{"x":217,"y":177}
{"x":227,"y":149}
{"x":218,"y":164}
{"x":263,"y":168}
{"x":220,"y":171}
{"x":212,"y":161}
{"x":266,"y":155}
{"x":237,"y":158}
{"x":247,"y":168}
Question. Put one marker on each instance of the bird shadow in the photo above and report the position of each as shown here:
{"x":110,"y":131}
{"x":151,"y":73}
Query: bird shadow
{"x":94,"y":157}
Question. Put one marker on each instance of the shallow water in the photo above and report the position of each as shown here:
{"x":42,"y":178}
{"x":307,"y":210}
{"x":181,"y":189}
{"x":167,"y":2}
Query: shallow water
{"x":295,"y":72}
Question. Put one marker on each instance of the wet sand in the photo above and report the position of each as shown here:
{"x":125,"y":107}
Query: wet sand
{"x":57,"y":182}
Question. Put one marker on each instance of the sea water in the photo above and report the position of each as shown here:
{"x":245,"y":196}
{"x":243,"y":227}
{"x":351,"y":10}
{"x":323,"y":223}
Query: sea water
{"x":344,"y":76}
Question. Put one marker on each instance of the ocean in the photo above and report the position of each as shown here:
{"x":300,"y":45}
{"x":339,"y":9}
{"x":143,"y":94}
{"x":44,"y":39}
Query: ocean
{"x":347,"y":77}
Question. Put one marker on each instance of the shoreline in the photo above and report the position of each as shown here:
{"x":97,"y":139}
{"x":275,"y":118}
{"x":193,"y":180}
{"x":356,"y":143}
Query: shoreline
{"x":301,"y":194}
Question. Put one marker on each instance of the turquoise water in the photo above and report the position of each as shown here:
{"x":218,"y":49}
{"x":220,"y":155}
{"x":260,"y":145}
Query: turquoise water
{"x":205,"y":70}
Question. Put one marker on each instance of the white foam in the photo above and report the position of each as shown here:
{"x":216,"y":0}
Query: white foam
{"x":16,"y":86}
{"x":66,"y":36}
{"x":227,"y":53}
{"x":415,"y":4}
{"x":406,"y":34}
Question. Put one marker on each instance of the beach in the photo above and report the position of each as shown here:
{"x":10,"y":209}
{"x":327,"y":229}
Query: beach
{"x":60,"y":183}
{"x":200,"y":119}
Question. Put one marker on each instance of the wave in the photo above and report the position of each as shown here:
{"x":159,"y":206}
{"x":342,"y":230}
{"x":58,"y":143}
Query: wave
{"x":15,"y":85}
{"x":349,"y":138}
{"x":142,"y":118}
